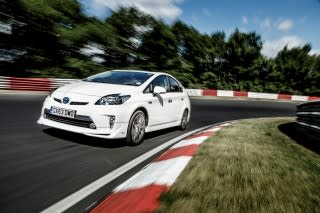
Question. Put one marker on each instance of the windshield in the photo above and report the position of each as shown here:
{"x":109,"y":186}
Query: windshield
{"x":120,"y":77}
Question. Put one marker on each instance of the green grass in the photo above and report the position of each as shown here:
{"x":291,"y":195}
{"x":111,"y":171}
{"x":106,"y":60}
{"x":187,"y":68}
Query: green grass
{"x":248,"y":167}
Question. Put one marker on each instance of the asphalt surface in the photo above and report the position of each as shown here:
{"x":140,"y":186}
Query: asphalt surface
{"x":40,"y":166}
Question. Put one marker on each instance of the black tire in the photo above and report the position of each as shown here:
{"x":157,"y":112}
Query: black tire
{"x":184,"y":120}
{"x":136,"y":128}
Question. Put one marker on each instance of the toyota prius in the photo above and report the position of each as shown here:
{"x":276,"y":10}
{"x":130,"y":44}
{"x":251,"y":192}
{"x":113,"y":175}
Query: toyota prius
{"x":118,"y":104}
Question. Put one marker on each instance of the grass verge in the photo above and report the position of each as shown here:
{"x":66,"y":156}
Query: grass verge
{"x":249,"y":166}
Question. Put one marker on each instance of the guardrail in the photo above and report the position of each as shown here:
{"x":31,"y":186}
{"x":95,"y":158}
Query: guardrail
{"x":47,"y":84}
{"x":32,"y":84}
{"x":308,"y":115}
{"x":250,"y":95}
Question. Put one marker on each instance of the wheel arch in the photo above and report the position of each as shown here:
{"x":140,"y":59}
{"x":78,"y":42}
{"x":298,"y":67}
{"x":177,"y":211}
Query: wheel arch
{"x":188,"y":111}
{"x":144,"y":110}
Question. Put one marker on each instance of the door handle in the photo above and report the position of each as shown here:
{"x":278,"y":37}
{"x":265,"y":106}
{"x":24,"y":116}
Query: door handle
{"x":149,"y":102}
{"x":170,"y":101}
{"x":182,"y":99}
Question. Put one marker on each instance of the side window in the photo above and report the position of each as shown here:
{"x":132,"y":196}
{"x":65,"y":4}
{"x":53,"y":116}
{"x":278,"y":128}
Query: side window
{"x":174,"y":85}
{"x":158,"y":81}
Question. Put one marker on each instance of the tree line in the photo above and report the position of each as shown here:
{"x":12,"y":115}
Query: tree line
{"x":54,"y":38}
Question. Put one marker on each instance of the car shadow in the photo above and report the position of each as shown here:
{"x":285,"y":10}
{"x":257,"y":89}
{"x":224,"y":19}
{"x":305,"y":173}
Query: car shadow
{"x":84,"y":139}
{"x":100,"y":142}
{"x":158,"y":133}
{"x":308,"y":138}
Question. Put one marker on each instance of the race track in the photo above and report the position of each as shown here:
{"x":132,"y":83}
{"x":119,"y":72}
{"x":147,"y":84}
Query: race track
{"x":40,"y":166}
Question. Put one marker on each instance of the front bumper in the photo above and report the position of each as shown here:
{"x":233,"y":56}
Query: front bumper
{"x":91,"y":114}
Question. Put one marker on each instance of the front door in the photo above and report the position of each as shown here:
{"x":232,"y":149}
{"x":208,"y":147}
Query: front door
{"x":158,"y":108}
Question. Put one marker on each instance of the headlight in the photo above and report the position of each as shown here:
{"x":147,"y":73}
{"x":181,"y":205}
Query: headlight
{"x":114,"y":99}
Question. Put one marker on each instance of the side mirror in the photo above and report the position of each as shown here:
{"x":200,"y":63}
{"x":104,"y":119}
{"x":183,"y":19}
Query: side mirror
{"x":159,"y":90}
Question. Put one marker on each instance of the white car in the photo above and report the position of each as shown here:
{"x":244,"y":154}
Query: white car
{"x":118,"y":104}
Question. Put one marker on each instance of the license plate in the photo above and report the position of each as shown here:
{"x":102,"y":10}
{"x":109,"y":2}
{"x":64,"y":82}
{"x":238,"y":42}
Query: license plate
{"x":63,"y":112}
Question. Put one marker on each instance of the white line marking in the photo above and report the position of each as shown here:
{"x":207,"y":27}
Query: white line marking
{"x":215,"y":129}
{"x":79,"y":195}
{"x":188,"y":142}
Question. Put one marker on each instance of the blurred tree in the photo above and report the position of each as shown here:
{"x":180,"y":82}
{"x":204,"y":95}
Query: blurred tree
{"x":297,"y":68}
{"x":243,"y":56}
{"x":313,"y":77}
{"x":159,"y":49}
{"x":38,"y":34}
{"x":190,"y":45}
{"x":219,"y":45}
{"x":130,"y":25}
{"x":12,"y":29}
{"x":43,"y":18}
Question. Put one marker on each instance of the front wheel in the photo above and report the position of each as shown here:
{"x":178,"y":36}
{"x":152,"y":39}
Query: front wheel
{"x":136,"y":128}
{"x":184,"y":120}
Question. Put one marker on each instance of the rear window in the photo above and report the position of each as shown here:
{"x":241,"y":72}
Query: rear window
{"x":120,"y":77}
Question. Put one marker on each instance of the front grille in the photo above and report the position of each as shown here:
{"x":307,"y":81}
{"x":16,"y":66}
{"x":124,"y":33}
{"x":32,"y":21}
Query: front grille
{"x":71,"y":103}
{"x":81,"y":121}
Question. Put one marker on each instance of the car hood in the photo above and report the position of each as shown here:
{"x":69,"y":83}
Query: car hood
{"x":95,"y":89}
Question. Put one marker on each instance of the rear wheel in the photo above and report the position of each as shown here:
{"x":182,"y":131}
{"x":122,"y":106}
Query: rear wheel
{"x":136,"y":128}
{"x":184,"y":120}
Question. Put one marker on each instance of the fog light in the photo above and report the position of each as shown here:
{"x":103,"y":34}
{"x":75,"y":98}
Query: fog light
{"x":92,"y":126}
{"x":112,"y":119}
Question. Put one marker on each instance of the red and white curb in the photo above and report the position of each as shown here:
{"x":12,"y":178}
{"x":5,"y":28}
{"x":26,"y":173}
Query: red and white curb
{"x":141,"y":192}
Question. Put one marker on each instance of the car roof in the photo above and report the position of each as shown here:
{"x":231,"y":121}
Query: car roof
{"x":144,"y":71}
{"x":155,"y":74}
